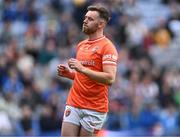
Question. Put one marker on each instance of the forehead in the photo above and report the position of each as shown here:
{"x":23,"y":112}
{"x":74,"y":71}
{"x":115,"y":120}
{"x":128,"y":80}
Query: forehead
{"x":92,"y":14}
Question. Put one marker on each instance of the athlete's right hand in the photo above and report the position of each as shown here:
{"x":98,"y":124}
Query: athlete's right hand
{"x":63,"y":71}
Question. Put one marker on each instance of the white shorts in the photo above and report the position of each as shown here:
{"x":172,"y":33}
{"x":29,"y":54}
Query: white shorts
{"x":90,"y":120}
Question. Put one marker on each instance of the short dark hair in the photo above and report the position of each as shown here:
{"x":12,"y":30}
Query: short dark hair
{"x":102,"y":10}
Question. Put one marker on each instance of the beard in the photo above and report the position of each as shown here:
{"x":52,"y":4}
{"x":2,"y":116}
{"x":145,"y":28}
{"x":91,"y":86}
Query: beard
{"x":89,"y":30}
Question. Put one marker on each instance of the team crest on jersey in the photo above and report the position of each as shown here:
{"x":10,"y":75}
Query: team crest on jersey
{"x":95,"y":49}
{"x":67,"y":112}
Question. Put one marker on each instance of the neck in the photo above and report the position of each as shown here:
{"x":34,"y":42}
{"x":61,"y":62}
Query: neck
{"x":96,"y":35}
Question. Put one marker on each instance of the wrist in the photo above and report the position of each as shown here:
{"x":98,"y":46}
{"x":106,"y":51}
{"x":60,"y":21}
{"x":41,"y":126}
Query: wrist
{"x":71,"y":75}
{"x":83,"y":70}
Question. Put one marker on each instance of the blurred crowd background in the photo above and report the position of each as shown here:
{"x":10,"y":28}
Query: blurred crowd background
{"x":37,"y":35}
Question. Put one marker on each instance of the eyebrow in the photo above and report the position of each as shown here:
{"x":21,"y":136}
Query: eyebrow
{"x":88,"y":17}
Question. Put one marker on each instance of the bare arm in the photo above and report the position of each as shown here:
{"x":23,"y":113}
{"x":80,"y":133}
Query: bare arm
{"x":106,"y":77}
{"x":64,"y":71}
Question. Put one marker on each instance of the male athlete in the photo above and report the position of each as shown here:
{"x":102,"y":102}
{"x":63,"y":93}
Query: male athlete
{"x":92,"y":71}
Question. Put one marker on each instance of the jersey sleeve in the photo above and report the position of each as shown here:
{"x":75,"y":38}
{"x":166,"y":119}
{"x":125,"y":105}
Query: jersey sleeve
{"x":110,"y":55}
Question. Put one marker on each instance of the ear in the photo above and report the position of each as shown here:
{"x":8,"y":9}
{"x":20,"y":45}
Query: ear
{"x":102,"y":24}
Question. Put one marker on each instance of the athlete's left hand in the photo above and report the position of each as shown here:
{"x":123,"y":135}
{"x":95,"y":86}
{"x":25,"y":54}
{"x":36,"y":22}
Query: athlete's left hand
{"x":75,"y":64}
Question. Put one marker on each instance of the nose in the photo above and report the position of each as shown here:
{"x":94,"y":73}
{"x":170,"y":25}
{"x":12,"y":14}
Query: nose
{"x":85,"y":20}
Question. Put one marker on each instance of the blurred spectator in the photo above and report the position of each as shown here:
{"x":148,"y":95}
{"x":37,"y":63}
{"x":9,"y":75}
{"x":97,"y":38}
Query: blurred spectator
{"x":48,"y":53}
{"x":167,"y":93}
{"x":9,"y":13}
{"x":114,"y":116}
{"x":49,"y":115}
{"x":13,"y":83}
{"x":5,"y":34}
{"x":121,"y":34}
{"x":3,"y":70}
{"x":26,"y":122}
{"x":162,"y":35}
{"x":32,"y":40}
{"x":148,"y":41}
{"x":149,"y":116}
{"x":79,"y":10}
{"x":148,"y":89}
{"x":169,"y":120}
{"x":136,"y":30}
{"x":10,"y":113}
{"x":26,"y":97}
{"x":25,"y":64}
{"x":134,"y":121}
{"x":5,"y":125}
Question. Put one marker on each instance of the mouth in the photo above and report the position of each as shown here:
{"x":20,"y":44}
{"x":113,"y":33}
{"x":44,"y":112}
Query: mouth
{"x":85,"y":25}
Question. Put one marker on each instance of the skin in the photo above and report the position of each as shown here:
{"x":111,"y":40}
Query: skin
{"x":93,"y":26}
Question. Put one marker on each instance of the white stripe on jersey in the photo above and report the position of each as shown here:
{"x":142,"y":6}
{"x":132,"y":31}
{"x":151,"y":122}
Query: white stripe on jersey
{"x":109,"y":62}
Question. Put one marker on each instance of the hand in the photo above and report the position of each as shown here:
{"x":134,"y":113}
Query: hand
{"x":75,"y":64}
{"x":63,"y":71}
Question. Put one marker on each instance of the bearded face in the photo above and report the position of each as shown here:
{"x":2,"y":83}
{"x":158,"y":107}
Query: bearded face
{"x":90,"y":23}
{"x":89,"y":29}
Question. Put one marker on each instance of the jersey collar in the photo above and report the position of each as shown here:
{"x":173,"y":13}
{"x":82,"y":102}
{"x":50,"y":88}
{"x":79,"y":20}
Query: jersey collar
{"x":96,"y":40}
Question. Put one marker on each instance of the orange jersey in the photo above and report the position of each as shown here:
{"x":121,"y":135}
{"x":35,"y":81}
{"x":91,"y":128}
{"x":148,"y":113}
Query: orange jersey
{"x":86,"y":93}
